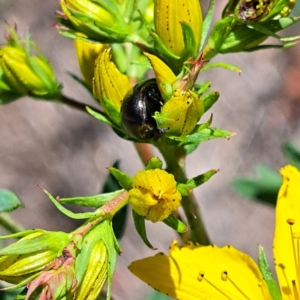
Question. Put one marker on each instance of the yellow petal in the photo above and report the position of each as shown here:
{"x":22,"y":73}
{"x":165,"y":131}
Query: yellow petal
{"x":168,"y":16}
{"x":109,"y":82}
{"x":163,"y":74}
{"x":86,"y":55}
{"x":193,"y":272}
{"x":287,"y":233}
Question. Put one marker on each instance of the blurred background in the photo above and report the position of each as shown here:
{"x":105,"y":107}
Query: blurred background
{"x":67,"y":151}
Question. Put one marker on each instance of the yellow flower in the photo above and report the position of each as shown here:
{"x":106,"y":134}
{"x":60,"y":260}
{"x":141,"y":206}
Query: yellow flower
{"x":154,"y":194}
{"x":196,"y":272}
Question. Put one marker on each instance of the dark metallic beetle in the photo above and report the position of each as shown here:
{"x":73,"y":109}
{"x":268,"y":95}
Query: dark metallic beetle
{"x":138,"y":109}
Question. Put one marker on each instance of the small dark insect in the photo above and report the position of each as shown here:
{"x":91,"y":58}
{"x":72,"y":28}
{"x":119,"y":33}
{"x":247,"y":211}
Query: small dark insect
{"x":138,"y":109}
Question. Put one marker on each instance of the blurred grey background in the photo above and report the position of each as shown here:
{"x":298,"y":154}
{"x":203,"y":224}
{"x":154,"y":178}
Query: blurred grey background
{"x":67,"y":151}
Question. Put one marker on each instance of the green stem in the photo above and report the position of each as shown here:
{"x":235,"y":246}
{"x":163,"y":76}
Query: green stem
{"x":9,"y":224}
{"x":175,"y":160}
{"x":77,"y":105}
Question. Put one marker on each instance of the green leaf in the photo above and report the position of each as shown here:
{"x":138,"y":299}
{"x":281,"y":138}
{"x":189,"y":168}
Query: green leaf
{"x":154,"y":163}
{"x":205,"y":134}
{"x":267,"y":274}
{"x":176,"y":224}
{"x":200,"y":179}
{"x":183,"y":189}
{"x":70,"y":214}
{"x":189,"y":41}
{"x":99,"y":117}
{"x":120,"y":218}
{"x":264,"y":189}
{"x":9,"y":201}
{"x":207,"y":23}
{"x":139,"y":223}
{"x":48,"y":240}
{"x":83,"y":83}
{"x":210,"y":99}
{"x":124,"y":180}
{"x":292,"y":154}
{"x":201,"y":88}
{"x":221,"y":65}
{"x":93,"y":201}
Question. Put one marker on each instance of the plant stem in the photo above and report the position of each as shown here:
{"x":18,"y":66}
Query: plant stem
{"x":145,"y":152}
{"x":77,"y":105}
{"x":9,"y":224}
{"x":175,"y":160}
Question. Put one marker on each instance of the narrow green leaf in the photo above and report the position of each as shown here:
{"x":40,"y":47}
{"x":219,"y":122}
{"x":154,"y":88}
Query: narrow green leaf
{"x":188,"y":40}
{"x":200,"y":179}
{"x":210,"y":99}
{"x":264,"y":188}
{"x":207,"y":24}
{"x":139,"y":223}
{"x":176,"y":224}
{"x":70,"y":214}
{"x":9,"y":201}
{"x":99,"y":117}
{"x":205,"y":134}
{"x":81,"y":82}
{"x":201,"y":88}
{"x":267,"y":274}
{"x":292,"y":154}
{"x":124,"y":180}
{"x":94,"y":201}
{"x":221,"y":65}
{"x":154,"y":163}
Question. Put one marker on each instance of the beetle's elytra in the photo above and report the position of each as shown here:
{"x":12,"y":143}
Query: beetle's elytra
{"x":138,"y":109}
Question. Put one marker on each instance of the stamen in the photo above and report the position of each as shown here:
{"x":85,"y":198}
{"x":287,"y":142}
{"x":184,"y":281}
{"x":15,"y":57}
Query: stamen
{"x":295,"y":291}
{"x":225,"y":277}
{"x":296,"y":246}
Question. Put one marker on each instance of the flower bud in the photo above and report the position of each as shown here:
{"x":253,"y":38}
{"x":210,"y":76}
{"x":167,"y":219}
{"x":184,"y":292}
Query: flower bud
{"x":246,"y":24}
{"x":110,"y":86}
{"x":30,"y":254}
{"x":57,"y":280}
{"x":180,"y":114}
{"x":86,"y":54}
{"x":26,"y":74}
{"x":98,"y":20}
{"x":154,"y":194}
{"x":96,"y":273}
{"x":169,"y":16}
{"x":96,"y":262}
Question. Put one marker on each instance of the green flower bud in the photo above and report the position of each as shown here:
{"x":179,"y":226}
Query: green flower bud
{"x":180,"y":114}
{"x":97,"y":20}
{"x":228,"y":35}
{"x":22,"y":73}
{"x":57,"y":281}
{"x":30,"y":254}
{"x":96,"y":262}
{"x":261,"y":10}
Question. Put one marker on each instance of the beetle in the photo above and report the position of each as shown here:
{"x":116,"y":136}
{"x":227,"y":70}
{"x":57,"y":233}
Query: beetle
{"x":138,"y":109}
